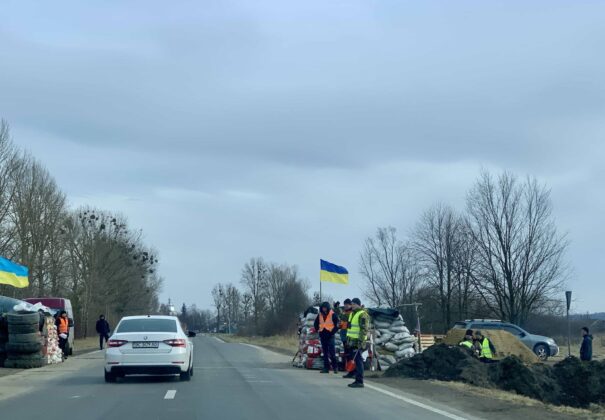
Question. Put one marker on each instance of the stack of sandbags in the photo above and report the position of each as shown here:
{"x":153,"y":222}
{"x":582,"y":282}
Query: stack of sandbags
{"x":24,"y":341}
{"x":52,"y":352}
{"x":392,"y":339}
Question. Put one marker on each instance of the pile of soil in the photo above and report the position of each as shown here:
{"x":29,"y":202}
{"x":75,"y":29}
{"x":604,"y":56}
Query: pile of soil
{"x":570,"y":382}
{"x":506,"y":344}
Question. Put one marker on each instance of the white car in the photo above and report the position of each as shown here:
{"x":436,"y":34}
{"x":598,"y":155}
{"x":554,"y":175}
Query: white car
{"x":150,"y":344}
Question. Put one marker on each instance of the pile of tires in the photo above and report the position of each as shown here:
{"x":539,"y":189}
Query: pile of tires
{"x":24,"y":347}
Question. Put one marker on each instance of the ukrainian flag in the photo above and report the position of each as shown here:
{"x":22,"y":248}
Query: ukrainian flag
{"x":13,"y":274}
{"x":333,"y":273}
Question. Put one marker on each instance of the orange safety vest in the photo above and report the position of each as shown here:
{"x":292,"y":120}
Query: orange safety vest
{"x":63,"y":325}
{"x":344,"y":323}
{"x":326,"y":323}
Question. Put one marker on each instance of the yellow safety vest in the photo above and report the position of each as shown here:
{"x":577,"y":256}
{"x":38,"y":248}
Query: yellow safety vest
{"x":467,"y":343}
{"x":485,"y":350}
{"x":354,"y":329}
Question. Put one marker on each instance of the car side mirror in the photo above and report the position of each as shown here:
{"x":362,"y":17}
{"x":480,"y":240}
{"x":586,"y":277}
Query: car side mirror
{"x":191,"y":334}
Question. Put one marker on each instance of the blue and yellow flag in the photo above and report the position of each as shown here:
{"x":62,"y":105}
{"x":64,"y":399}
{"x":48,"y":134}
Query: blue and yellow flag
{"x":13,"y":274}
{"x":333,"y":273}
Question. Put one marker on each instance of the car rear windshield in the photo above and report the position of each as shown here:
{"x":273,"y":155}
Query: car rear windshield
{"x":147,"y":325}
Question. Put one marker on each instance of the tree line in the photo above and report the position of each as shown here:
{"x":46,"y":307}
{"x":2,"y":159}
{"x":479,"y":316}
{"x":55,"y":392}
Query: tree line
{"x":502,"y":256}
{"x":87,"y":255}
{"x":267,"y":302}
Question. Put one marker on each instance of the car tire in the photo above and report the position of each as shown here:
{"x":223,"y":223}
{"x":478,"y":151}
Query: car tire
{"x":23,"y":348}
{"x":186,"y":376}
{"x":24,"y":338}
{"x":23,"y":328}
{"x":24,"y":363}
{"x":109,"y":377}
{"x":29,"y":318}
{"x":542,"y":351}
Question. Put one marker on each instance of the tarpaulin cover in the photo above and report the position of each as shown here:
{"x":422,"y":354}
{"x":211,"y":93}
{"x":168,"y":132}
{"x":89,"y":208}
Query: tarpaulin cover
{"x":387,"y":312}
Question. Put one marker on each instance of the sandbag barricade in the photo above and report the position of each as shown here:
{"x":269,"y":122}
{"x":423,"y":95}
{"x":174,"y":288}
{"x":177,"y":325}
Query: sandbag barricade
{"x":392,"y":339}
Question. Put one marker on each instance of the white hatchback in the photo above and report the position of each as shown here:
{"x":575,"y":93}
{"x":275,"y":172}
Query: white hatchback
{"x":148,"y":345}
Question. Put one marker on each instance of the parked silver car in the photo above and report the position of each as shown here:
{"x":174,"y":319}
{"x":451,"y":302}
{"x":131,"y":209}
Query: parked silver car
{"x":544,"y":347}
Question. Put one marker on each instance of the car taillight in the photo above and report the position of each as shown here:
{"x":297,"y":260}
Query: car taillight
{"x":116,"y":343}
{"x":177,"y":342}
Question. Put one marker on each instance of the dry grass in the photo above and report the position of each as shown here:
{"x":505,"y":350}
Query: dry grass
{"x":595,"y":411}
{"x":598,"y":347}
{"x":86,"y":344}
{"x":287,"y":344}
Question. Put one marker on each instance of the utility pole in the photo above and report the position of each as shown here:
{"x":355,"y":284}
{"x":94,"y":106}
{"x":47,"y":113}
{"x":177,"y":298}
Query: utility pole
{"x":568,"y":298}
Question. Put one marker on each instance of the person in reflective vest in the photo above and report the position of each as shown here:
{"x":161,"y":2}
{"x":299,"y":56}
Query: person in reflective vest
{"x":486,"y":348}
{"x":326,"y":324}
{"x":62,"y":324}
{"x":468,"y":340}
{"x":357,"y":335}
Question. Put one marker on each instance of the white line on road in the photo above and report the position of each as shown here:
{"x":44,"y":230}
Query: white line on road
{"x":219,"y":340}
{"x":170,"y":394}
{"x":414,"y":402}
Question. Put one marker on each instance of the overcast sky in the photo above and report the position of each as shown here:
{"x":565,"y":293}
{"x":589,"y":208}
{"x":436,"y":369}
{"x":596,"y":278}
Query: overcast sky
{"x":292,"y":130}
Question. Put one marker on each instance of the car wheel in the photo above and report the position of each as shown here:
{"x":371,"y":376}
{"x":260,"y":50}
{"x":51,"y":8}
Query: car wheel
{"x":109,"y":377}
{"x":186,"y":376}
{"x":542,"y":352}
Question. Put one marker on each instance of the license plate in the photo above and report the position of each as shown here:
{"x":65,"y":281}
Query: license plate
{"x":145,"y":344}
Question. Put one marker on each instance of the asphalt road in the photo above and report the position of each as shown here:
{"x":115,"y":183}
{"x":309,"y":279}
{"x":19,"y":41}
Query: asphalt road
{"x":231,"y":381}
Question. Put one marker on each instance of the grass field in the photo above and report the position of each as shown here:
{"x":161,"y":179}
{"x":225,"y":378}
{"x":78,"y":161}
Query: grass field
{"x":598,"y":347}
{"x":86,"y":344}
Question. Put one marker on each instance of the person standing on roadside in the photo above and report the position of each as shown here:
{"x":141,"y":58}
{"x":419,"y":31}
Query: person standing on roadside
{"x":326,"y":323}
{"x":586,"y":347}
{"x":103,"y":330}
{"x":344,"y":320}
{"x":468,"y":340}
{"x":357,"y":334}
{"x":62,"y":324}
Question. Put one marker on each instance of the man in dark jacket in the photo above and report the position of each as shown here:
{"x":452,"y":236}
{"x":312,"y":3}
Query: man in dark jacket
{"x":326,"y":324}
{"x":586,"y":348}
{"x":103,"y":330}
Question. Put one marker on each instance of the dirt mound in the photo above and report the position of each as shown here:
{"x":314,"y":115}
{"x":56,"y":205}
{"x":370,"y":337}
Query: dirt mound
{"x":581,"y":383}
{"x":570,"y":382}
{"x":506,"y":344}
{"x":443,"y":362}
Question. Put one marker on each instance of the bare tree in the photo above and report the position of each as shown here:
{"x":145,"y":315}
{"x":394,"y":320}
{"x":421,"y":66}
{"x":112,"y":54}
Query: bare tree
{"x":438,"y":240}
{"x":389,"y":269}
{"x":519,"y":251}
{"x":254,"y":280}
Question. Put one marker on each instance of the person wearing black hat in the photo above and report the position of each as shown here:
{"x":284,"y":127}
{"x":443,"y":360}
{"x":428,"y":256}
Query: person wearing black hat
{"x":326,"y":324}
{"x":357,"y":335}
{"x":485,"y":346}
{"x":468,"y":340}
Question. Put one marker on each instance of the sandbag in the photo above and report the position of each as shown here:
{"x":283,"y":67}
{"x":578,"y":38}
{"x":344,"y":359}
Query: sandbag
{"x":405,"y":353}
{"x":406,"y":346}
{"x":382,"y":325}
{"x":398,"y":323}
{"x":387,"y":358}
{"x":401,"y":336}
{"x":377,"y":333}
{"x":391,"y":347}
{"x":399,"y":329}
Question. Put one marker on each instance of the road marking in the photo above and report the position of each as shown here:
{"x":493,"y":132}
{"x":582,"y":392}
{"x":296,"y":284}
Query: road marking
{"x":219,"y":340}
{"x":414,"y":402}
{"x":170,"y":394}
